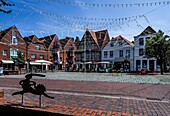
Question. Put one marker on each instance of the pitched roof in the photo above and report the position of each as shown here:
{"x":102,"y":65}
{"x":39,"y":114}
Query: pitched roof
{"x":93,"y":34}
{"x":32,"y":39}
{"x":147,"y":31}
{"x":101,"y":37}
{"x":64,"y":41}
{"x":122,"y":38}
{"x":47,"y":40}
{"x":4,"y":32}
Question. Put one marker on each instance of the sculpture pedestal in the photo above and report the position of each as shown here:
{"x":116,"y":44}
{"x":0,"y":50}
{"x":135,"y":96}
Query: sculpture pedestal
{"x":1,"y":94}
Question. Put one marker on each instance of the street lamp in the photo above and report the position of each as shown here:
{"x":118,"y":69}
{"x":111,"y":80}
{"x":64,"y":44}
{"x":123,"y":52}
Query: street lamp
{"x":55,"y":53}
{"x":29,"y":65}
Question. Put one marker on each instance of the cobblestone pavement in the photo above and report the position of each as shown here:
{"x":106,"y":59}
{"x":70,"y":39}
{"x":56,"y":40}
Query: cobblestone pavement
{"x":104,"y":77}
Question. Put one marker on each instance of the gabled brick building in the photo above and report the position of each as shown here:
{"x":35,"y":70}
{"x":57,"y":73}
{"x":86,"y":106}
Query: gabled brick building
{"x":36,"y":49}
{"x":53,"y":47}
{"x":11,"y":42}
{"x":67,"y":54}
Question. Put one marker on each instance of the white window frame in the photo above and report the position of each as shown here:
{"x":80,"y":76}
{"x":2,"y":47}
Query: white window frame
{"x":14,"y":41}
{"x":13,"y":52}
{"x":5,"y":54}
{"x":121,"y":53}
{"x":105,"y":54}
{"x":128,"y":53}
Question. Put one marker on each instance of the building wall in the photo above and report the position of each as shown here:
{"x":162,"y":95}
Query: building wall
{"x":6,"y":43}
{"x":116,"y":48}
{"x":32,"y":50}
{"x":63,"y":53}
{"x":51,"y":49}
{"x":142,"y":58}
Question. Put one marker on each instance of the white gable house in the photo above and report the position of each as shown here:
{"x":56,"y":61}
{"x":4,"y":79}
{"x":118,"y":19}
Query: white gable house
{"x":119,"y":51}
{"x":140,"y":61}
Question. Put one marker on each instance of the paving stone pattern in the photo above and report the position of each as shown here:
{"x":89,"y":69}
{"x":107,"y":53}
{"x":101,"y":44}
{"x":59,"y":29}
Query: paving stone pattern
{"x":129,"y":78}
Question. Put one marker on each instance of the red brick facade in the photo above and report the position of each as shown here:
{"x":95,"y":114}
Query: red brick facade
{"x":65,"y":56}
{"x":36,"y":49}
{"x":7,"y":44}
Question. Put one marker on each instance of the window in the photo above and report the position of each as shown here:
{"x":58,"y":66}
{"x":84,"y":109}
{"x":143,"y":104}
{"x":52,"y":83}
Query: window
{"x":5,"y":52}
{"x":121,"y":53}
{"x":41,"y":56}
{"x":128,"y":53}
{"x":33,"y":56}
{"x":111,"y":54}
{"x":144,"y":63}
{"x":137,"y":64}
{"x":22,"y":53}
{"x":141,"y":41}
{"x":105,"y":54}
{"x":141,"y":52}
{"x":37,"y":47}
{"x":14,"y":41}
{"x":13,"y":52}
{"x":14,"y":33}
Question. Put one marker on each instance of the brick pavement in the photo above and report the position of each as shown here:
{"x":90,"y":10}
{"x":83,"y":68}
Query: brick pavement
{"x":150,"y":91}
{"x":95,"y":103}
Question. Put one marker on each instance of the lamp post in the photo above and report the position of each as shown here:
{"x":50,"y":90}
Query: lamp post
{"x":55,"y":53}
{"x":29,"y":65}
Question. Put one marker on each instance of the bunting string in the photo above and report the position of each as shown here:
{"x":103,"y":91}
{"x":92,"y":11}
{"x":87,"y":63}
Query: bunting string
{"x":93,"y":23}
{"x":114,"y":5}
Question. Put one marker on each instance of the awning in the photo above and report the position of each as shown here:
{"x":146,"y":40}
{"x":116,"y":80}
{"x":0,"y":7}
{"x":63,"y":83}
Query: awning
{"x":35,"y":63}
{"x":87,"y":62}
{"x":79,"y":62}
{"x":43,"y":61}
{"x":7,"y":61}
{"x":104,"y":62}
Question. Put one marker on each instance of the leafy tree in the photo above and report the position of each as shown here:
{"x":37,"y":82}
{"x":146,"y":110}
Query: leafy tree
{"x":4,"y":3}
{"x":19,"y":61}
{"x":77,"y":39}
{"x":159,"y":48}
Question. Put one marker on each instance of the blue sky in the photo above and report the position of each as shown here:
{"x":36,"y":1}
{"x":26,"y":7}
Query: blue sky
{"x":68,"y":18}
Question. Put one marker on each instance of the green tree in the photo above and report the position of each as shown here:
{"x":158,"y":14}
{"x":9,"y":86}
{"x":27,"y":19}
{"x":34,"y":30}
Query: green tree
{"x":159,"y":48}
{"x":4,"y":3}
{"x":19,"y":61}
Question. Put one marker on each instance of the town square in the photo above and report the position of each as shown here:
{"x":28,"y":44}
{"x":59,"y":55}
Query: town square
{"x":84,"y":58}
